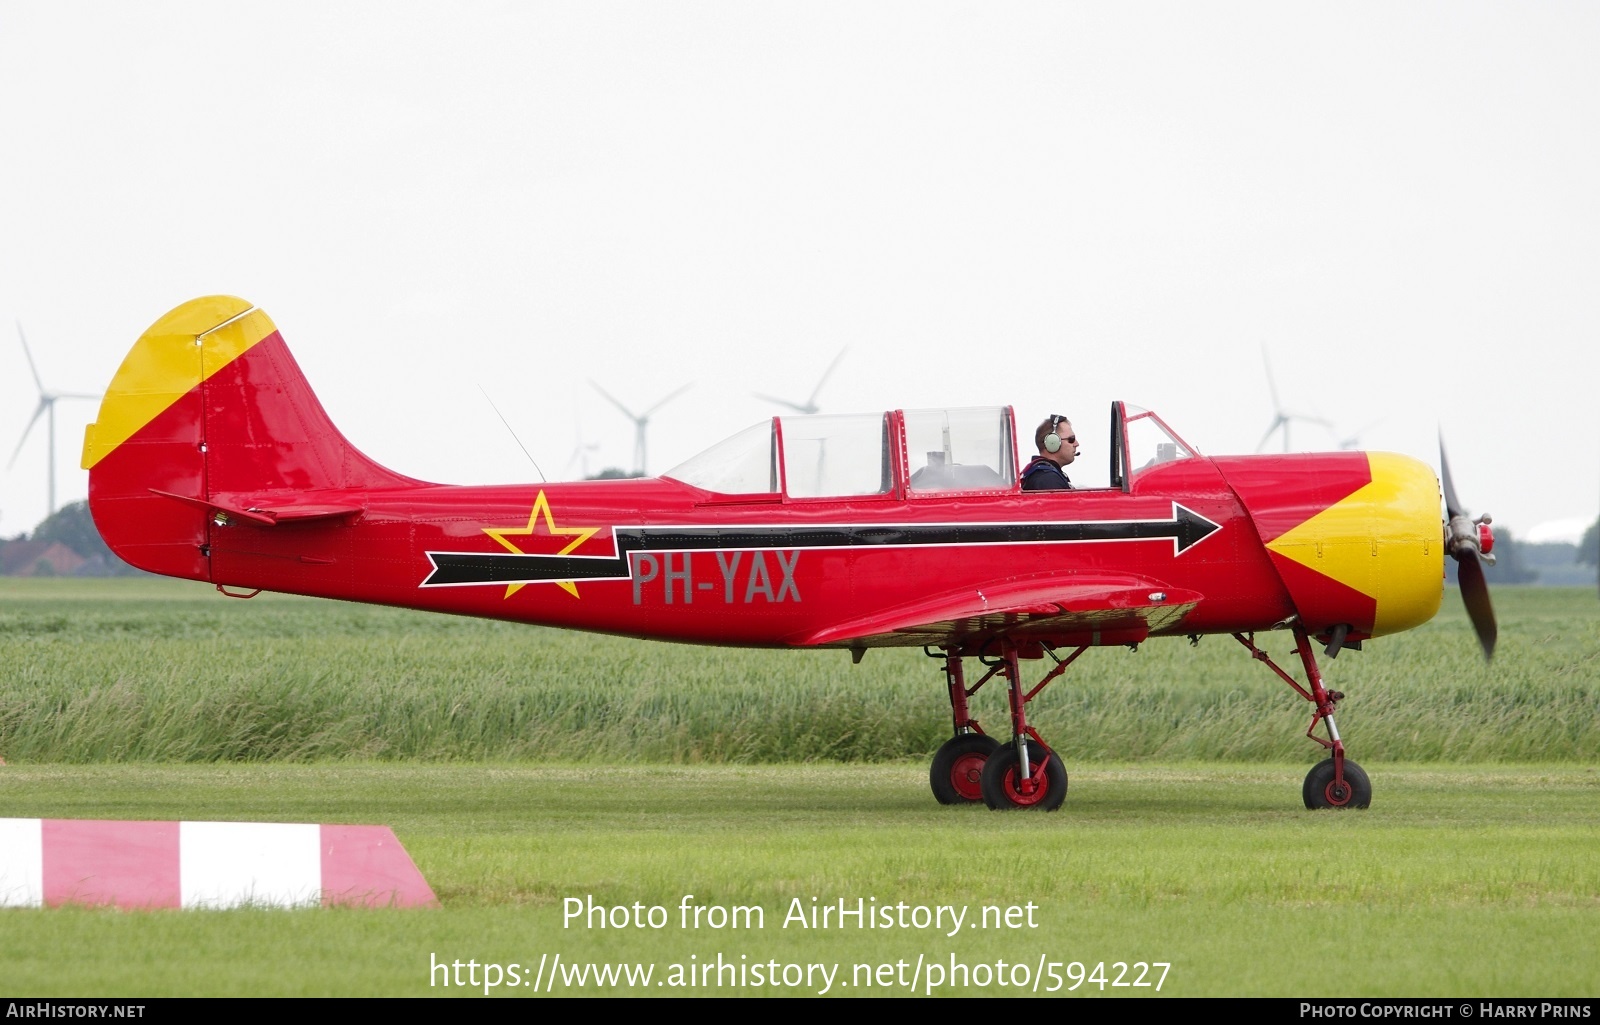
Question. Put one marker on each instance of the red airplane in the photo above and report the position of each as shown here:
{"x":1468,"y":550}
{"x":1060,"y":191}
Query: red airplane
{"x":213,"y":460}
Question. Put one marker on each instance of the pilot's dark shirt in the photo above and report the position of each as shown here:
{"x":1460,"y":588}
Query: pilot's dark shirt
{"x":1043,"y":475}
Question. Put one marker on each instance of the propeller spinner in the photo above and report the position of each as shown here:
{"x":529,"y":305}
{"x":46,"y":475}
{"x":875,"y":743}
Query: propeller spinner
{"x":1471,"y":543}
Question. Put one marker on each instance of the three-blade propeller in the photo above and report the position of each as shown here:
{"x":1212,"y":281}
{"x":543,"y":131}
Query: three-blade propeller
{"x":1464,"y":543}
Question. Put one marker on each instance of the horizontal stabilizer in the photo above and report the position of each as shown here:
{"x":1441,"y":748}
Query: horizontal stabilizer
{"x":269,"y":512}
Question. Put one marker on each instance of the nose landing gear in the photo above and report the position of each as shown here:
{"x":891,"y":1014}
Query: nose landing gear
{"x":1334,"y":782}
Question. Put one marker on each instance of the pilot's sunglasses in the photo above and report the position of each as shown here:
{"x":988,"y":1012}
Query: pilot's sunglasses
{"x":1071,"y":439}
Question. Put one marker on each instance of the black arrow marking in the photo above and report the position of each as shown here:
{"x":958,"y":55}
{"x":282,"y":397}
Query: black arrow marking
{"x":1186,"y":528}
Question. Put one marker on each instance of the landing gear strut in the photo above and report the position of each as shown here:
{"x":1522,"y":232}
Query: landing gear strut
{"x":1024,"y":773}
{"x":958,"y":765}
{"x":1334,"y":782}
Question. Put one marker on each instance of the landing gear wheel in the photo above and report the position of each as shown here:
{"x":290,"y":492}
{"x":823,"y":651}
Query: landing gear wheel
{"x":1002,"y":789}
{"x":957,"y":767}
{"x":1321,"y":790}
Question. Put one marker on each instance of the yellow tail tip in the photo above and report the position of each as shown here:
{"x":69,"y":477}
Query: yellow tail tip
{"x":177,"y":352}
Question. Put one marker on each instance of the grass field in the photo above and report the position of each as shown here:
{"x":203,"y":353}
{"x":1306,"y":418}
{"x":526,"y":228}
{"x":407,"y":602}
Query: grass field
{"x":169,"y":671}
{"x":1458,"y":882}
{"x":521,"y":767}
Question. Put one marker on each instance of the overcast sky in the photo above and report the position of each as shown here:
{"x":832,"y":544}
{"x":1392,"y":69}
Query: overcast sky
{"x":1049,"y":205}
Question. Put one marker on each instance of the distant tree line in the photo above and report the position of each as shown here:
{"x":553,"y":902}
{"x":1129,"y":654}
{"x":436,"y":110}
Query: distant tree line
{"x":1522,"y":562}
{"x":73,"y":528}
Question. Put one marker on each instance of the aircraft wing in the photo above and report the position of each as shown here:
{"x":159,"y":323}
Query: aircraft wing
{"x":1113,"y":609}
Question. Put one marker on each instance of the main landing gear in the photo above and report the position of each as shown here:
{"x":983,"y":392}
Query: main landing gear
{"x":972,"y":766}
{"x":1026,"y":773}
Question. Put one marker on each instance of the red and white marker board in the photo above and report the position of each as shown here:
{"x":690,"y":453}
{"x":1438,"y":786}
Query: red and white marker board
{"x":50,"y":862}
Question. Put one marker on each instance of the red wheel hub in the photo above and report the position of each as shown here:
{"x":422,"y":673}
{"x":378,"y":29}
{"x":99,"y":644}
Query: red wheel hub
{"x":1028,"y":791}
{"x":965,"y":773}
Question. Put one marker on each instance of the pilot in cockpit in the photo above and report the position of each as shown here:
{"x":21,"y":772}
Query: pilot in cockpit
{"x":1058,"y":446}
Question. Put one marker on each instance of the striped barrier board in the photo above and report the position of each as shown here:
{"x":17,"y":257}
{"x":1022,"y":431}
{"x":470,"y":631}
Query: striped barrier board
{"x":51,"y":862}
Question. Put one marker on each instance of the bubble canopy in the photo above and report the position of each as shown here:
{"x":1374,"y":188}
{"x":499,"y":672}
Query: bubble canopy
{"x":907,"y":453}
{"x":862,"y":454}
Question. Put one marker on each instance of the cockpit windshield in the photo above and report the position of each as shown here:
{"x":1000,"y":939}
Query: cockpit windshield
{"x":1150,"y":442}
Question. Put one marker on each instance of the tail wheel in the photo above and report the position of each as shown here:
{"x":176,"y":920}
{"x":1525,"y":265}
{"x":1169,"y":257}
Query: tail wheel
{"x":1323,"y":790}
{"x":1004,"y":787}
{"x":958,"y":766}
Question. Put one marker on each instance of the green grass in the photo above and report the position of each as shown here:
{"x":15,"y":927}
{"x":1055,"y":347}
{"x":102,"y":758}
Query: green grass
{"x":166,"y":671}
{"x":521,"y":766}
{"x":1458,"y":882}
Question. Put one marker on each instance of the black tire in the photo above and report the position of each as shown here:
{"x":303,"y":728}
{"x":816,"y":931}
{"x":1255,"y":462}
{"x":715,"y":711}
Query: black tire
{"x":1321,"y":791}
{"x":957,"y":767}
{"x":999,"y":782}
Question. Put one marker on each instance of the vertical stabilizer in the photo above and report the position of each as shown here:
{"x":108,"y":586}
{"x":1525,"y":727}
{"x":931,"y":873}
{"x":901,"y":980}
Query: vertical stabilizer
{"x":208,"y":404}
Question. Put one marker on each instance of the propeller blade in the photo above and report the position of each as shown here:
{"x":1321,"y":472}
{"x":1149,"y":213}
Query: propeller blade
{"x":1475,"y":595}
{"x":37,"y":413}
{"x":1452,"y":505}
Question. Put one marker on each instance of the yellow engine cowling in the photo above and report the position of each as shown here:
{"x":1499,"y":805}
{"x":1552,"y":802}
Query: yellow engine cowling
{"x":1355,"y":537}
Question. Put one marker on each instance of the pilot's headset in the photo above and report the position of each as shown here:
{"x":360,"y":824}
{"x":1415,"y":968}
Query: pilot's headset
{"x":1052,"y":441}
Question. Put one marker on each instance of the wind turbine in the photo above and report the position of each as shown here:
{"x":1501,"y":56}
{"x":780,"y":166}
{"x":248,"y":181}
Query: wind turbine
{"x":640,"y":422}
{"x":1282,"y":418}
{"x":580,"y":452}
{"x":46,"y":408}
{"x":1354,"y":440}
{"x":810,"y":405}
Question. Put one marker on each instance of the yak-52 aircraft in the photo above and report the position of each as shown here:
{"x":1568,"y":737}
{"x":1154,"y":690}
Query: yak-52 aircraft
{"x":213,"y":460}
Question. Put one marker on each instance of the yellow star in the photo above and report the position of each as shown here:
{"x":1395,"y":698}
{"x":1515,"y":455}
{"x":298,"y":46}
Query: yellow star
{"x":542,"y":508}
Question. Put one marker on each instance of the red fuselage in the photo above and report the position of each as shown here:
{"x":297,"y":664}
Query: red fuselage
{"x":213,"y":460}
